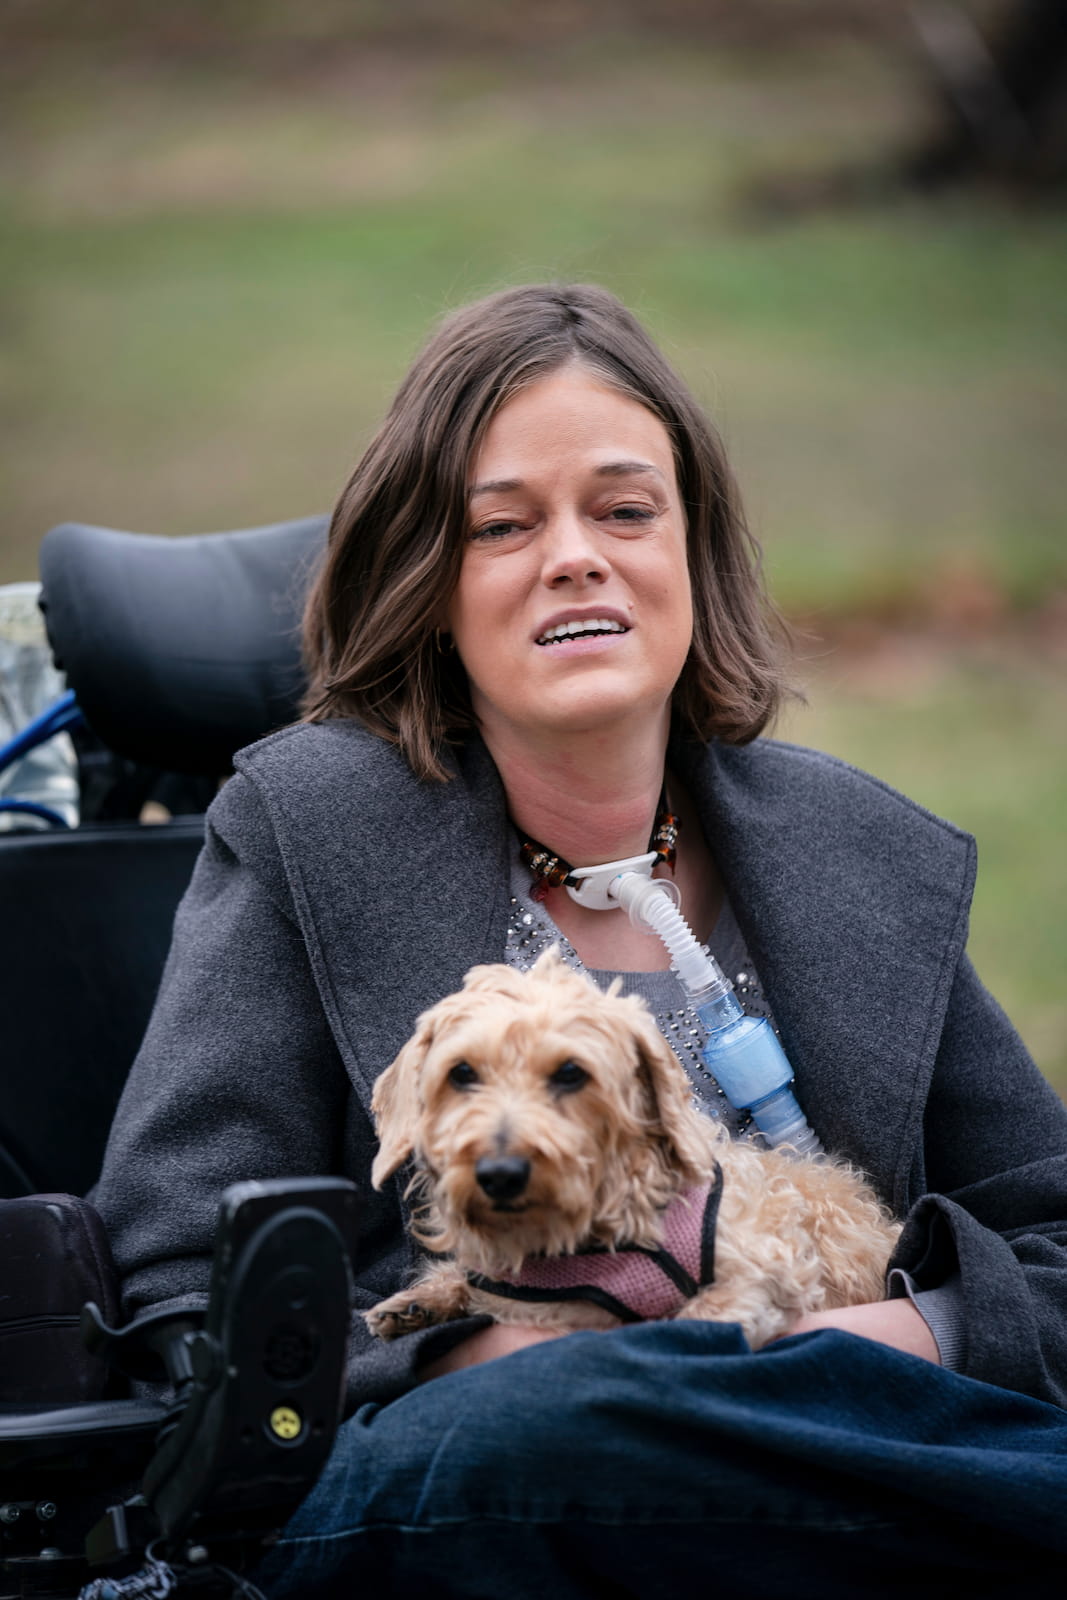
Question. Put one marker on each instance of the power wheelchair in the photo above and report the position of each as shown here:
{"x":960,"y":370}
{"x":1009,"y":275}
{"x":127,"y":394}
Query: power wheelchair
{"x":176,"y":653}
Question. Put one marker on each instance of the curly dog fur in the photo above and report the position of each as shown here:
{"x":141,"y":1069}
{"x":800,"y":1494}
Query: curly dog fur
{"x":575,"y":1097}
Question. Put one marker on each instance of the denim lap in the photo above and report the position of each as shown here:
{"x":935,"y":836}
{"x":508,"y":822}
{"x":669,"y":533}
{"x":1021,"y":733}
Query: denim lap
{"x":613,"y":1463}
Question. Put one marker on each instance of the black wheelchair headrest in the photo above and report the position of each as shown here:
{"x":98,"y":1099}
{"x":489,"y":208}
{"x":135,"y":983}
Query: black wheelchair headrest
{"x":180,"y":651}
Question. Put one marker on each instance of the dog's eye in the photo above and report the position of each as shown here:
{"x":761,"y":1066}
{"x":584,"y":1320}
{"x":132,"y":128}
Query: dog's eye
{"x":568,"y":1077}
{"x":462,"y":1075}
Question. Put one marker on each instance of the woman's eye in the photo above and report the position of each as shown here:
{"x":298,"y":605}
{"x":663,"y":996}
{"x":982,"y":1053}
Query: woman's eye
{"x":631,"y":513}
{"x":462,"y":1075}
{"x":494,"y":530}
{"x":568,"y":1077}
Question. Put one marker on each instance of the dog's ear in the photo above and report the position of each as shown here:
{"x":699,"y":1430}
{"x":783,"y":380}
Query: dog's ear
{"x":397,"y":1104}
{"x":681,"y":1126}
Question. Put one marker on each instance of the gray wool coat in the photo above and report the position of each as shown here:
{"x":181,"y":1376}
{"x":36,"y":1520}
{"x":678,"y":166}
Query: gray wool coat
{"x":337,"y":897}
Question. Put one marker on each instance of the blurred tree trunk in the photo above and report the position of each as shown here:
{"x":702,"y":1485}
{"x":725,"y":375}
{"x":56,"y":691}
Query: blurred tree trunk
{"x":1003,"y":113}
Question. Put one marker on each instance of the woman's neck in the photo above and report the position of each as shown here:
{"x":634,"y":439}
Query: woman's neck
{"x":595,"y":799}
{"x":587,"y":799}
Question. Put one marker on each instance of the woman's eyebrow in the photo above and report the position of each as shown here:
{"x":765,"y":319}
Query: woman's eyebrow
{"x":626,"y":469}
{"x":608,"y":469}
{"x":495,"y":486}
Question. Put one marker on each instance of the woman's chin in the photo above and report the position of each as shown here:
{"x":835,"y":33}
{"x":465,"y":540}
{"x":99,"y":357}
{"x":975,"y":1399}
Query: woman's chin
{"x":568,"y":711}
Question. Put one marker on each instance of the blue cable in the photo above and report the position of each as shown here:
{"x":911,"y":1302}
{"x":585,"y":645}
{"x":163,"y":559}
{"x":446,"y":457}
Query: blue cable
{"x":33,"y":808}
{"x":64,"y":713}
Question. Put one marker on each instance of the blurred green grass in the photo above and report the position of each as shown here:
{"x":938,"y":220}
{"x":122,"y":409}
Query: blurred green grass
{"x":212,"y":288}
{"x":212,"y":284}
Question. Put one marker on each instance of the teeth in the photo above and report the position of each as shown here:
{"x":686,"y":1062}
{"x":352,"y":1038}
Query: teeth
{"x":568,"y":630}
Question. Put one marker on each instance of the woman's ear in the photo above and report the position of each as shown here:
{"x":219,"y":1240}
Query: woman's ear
{"x":681,"y":1126}
{"x":397,"y":1105}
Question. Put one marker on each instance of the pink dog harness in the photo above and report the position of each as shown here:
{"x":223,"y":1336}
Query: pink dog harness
{"x":633,"y":1282}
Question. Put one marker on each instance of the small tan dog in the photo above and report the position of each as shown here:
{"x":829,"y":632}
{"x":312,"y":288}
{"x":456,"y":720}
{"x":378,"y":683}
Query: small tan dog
{"x":562,"y":1168}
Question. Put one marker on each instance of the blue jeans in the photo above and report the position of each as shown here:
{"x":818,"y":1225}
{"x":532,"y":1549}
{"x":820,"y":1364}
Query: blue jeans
{"x":667,"y":1459}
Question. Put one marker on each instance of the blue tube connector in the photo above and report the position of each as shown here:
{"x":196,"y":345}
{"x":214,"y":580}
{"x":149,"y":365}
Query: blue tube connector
{"x":744,"y":1056}
{"x":742,"y":1052}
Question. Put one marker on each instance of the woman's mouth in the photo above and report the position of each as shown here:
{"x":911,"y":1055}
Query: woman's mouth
{"x":588,"y":628}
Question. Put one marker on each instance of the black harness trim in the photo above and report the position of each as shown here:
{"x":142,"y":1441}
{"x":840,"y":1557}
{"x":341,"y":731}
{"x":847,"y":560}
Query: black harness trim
{"x":711,"y":1223}
{"x":575,"y":1291}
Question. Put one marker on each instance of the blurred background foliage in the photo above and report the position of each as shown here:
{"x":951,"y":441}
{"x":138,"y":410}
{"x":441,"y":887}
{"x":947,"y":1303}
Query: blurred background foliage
{"x":226,"y":227}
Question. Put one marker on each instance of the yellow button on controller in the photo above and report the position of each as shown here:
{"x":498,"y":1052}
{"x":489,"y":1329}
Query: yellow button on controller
{"x":285,"y":1422}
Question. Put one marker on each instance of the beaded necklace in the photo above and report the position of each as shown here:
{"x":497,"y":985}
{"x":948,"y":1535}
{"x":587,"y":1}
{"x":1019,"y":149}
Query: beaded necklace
{"x":552,"y":872}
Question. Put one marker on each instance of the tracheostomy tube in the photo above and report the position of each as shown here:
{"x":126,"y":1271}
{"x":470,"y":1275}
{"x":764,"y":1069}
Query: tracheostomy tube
{"x":742,"y":1052}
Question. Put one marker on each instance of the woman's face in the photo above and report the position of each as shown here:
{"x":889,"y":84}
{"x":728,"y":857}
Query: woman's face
{"x":573,"y":608}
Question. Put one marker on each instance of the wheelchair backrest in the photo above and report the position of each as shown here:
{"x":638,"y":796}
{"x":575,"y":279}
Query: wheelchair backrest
{"x":179,"y":651}
{"x":85,"y":919}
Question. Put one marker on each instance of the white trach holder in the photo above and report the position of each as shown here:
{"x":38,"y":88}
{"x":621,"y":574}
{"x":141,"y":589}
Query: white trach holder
{"x":594,"y":889}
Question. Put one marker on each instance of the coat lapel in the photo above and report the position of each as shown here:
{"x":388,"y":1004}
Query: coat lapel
{"x":401,"y":891}
{"x":854,"y":905}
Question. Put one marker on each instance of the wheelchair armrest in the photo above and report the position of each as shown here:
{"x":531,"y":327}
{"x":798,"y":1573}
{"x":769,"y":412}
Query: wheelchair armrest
{"x":259,"y":1394}
{"x":55,"y":1255}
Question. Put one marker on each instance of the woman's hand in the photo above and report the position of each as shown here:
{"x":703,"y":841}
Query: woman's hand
{"x":486,"y":1346}
{"x":892,"y":1322}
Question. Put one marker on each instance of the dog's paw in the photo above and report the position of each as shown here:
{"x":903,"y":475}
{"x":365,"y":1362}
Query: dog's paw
{"x":395,"y":1317}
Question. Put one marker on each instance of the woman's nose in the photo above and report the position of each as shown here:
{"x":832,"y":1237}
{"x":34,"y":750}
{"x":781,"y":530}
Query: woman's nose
{"x":572,"y":552}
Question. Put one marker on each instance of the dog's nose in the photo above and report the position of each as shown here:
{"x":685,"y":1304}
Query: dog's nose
{"x":502,"y":1177}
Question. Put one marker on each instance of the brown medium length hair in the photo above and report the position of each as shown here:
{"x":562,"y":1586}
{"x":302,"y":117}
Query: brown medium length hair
{"x":397,"y":535}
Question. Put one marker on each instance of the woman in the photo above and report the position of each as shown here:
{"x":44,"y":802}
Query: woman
{"x":538,"y":607}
